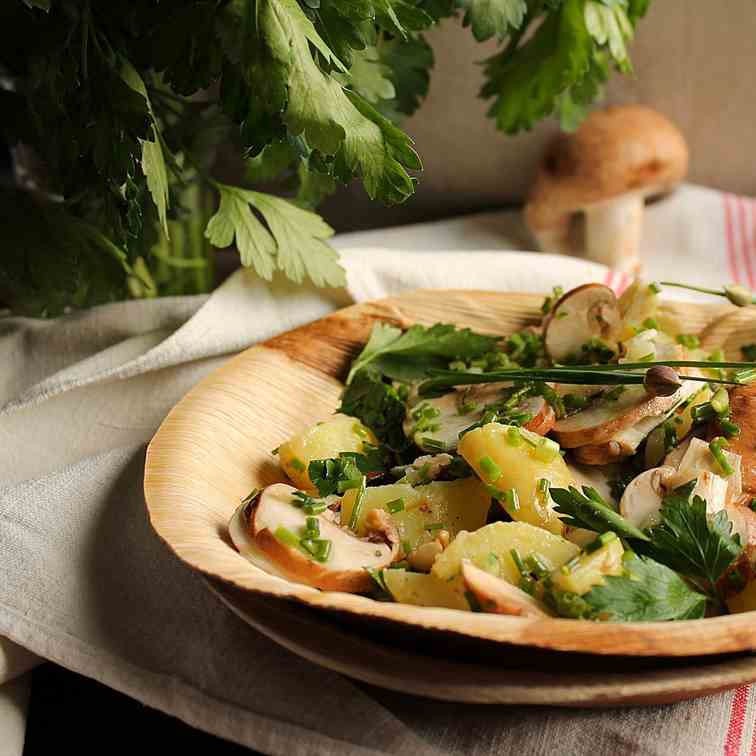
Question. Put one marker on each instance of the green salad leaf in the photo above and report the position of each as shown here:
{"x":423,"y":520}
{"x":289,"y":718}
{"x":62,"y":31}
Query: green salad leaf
{"x":647,"y":592}
{"x":690,"y":542}
{"x":410,"y":354}
{"x":589,"y":510}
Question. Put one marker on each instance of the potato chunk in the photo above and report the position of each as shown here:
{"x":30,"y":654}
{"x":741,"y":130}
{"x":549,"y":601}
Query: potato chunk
{"x":513,"y":458}
{"x":490,"y":548}
{"x":426,"y":590}
{"x":453,"y":506}
{"x":323,"y":440}
{"x":590,"y":569}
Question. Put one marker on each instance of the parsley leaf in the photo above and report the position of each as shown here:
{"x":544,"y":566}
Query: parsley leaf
{"x":410,"y":354}
{"x":292,"y":241}
{"x":493,"y":17}
{"x":327,"y":474}
{"x":379,"y":406}
{"x":407,"y":64}
{"x":647,"y":592}
{"x":690,"y":542}
{"x":588,"y":510}
{"x":526,"y":86}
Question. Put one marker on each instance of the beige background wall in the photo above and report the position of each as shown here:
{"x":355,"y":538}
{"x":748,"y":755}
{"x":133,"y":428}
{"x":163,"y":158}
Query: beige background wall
{"x":695,"y":61}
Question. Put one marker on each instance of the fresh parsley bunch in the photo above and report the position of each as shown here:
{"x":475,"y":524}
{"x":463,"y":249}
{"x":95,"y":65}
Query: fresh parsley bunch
{"x":117,"y":112}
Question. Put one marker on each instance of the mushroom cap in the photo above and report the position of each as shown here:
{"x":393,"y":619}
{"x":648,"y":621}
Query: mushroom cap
{"x":621,"y":149}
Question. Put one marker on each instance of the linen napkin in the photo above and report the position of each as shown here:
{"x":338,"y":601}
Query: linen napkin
{"x":86,"y":584}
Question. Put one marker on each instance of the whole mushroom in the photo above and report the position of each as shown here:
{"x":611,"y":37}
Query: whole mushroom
{"x":618,"y":157}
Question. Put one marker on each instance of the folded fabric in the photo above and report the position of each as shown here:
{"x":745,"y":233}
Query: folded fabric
{"x":87,"y":584}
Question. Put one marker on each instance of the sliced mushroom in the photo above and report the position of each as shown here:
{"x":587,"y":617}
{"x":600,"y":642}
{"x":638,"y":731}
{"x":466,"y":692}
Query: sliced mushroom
{"x":603,"y":421}
{"x":698,"y":460}
{"x":743,"y":414}
{"x":458,"y":410}
{"x":588,"y":312}
{"x":497,"y":596}
{"x":642,"y":499}
{"x":345,"y":567}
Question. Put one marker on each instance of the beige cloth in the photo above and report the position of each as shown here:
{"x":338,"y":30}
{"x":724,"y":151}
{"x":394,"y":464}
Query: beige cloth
{"x":85,"y":583}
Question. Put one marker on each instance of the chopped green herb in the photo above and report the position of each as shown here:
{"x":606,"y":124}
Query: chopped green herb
{"x":537,"y":566}
{"x":729,"y":428}
{"x":654,"y":287}
{"x":715,"y":447}
{"x":434,"y":526}
{"x":395,"y":505}
{"x":358,"y":502}
{"x":720,"y":402}
{"x":517,"y":559}
{"x":491,"y":471}
{"x":285,"y":536}
{"x":552,"y":299}
{"x":312,"y":527}
{"x":615,"y":393}
{"x":297,"y":464}
{"x":514,"y":438}
{"x":651,"y":324}
{"x":406,"y":547}
{"x":546,"y":450}
{"x":433,"y":445}
{"x":510,"y":500}
{"x":688,"y":340}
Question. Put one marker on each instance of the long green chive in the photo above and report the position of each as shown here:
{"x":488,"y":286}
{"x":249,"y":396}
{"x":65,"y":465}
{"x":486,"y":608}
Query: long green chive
{"x":715,"y":447}
{"x":517,"y":559}
{"x":285,"y":536}
{"x":738,"y":295}
{"x":491,"y":471}
{"x":395,"y":505}
{"x":511,"y":500}
{"x":358,"y":502}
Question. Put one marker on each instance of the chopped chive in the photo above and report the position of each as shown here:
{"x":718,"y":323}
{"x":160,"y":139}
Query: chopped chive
{"x":514,"y":437}
{"x":433,"y":444}
{"x":377,"y":576}
{"x":537,"y":566}
{"x":717,"y":355}
{"x":434,"y":526}
{"x":527,"y":584}
{"x":720,"y":402}
{"x":543,"y":485}
{"x":395,"y":505}
{"x":493,"y":565}
{"x":323,"y":549}
{"x":312,"y":527}
{"x":646,"y":358}
{"x":517,"y":559}
{"x":688,"y":340}
{"x":650,"y":324}
{"x":297,"y":464}
{"x":511,"y":500}
{"x":729,"y":428}
{"x":358,"y":502}
{"x":406,"y":547}
{"x":490,"y":469}
{"x":285,"y":536}
{"x":600,"y":541}
{"x":715,"y":447}
{"x":345,"y":485}
{"x":607,"y":537}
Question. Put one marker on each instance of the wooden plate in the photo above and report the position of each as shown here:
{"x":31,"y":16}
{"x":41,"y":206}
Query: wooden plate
{"x":215,"y":446}
{"x":466,"y":678}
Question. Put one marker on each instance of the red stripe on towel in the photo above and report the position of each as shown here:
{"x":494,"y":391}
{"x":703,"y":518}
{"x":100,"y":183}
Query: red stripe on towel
{"x":746,"y":233}
{"x":737,"y":721}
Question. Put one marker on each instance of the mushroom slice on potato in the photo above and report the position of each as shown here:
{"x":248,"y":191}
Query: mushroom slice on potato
{"x":435,"y":424}
{"x":497,"y":596}
{"x":274,"y":524}
{"x":698,"y":462}
{"x":583,"y":314}
{"x":617,"y":427}
{"x":642,"y":499}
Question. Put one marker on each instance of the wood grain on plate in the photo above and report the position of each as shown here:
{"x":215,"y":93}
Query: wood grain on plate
{"x":215,"y":446}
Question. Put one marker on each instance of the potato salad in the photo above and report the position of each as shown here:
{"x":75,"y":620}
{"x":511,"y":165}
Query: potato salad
{"x":599,"y":464}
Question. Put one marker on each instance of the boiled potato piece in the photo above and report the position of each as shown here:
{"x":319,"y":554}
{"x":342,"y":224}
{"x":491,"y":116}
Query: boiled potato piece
{"x":490,"y":548}
{"x":521,"y":465}
{"x":323,"y":440}
{"x":426,"y":590}
{"x":453,"y":506}
{"x":590,"y":569}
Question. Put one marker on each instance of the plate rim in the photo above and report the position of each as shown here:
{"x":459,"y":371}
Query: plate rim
{"x":736,"y":632}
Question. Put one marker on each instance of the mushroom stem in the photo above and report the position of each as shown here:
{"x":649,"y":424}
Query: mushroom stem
{"x":613,"y":232}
